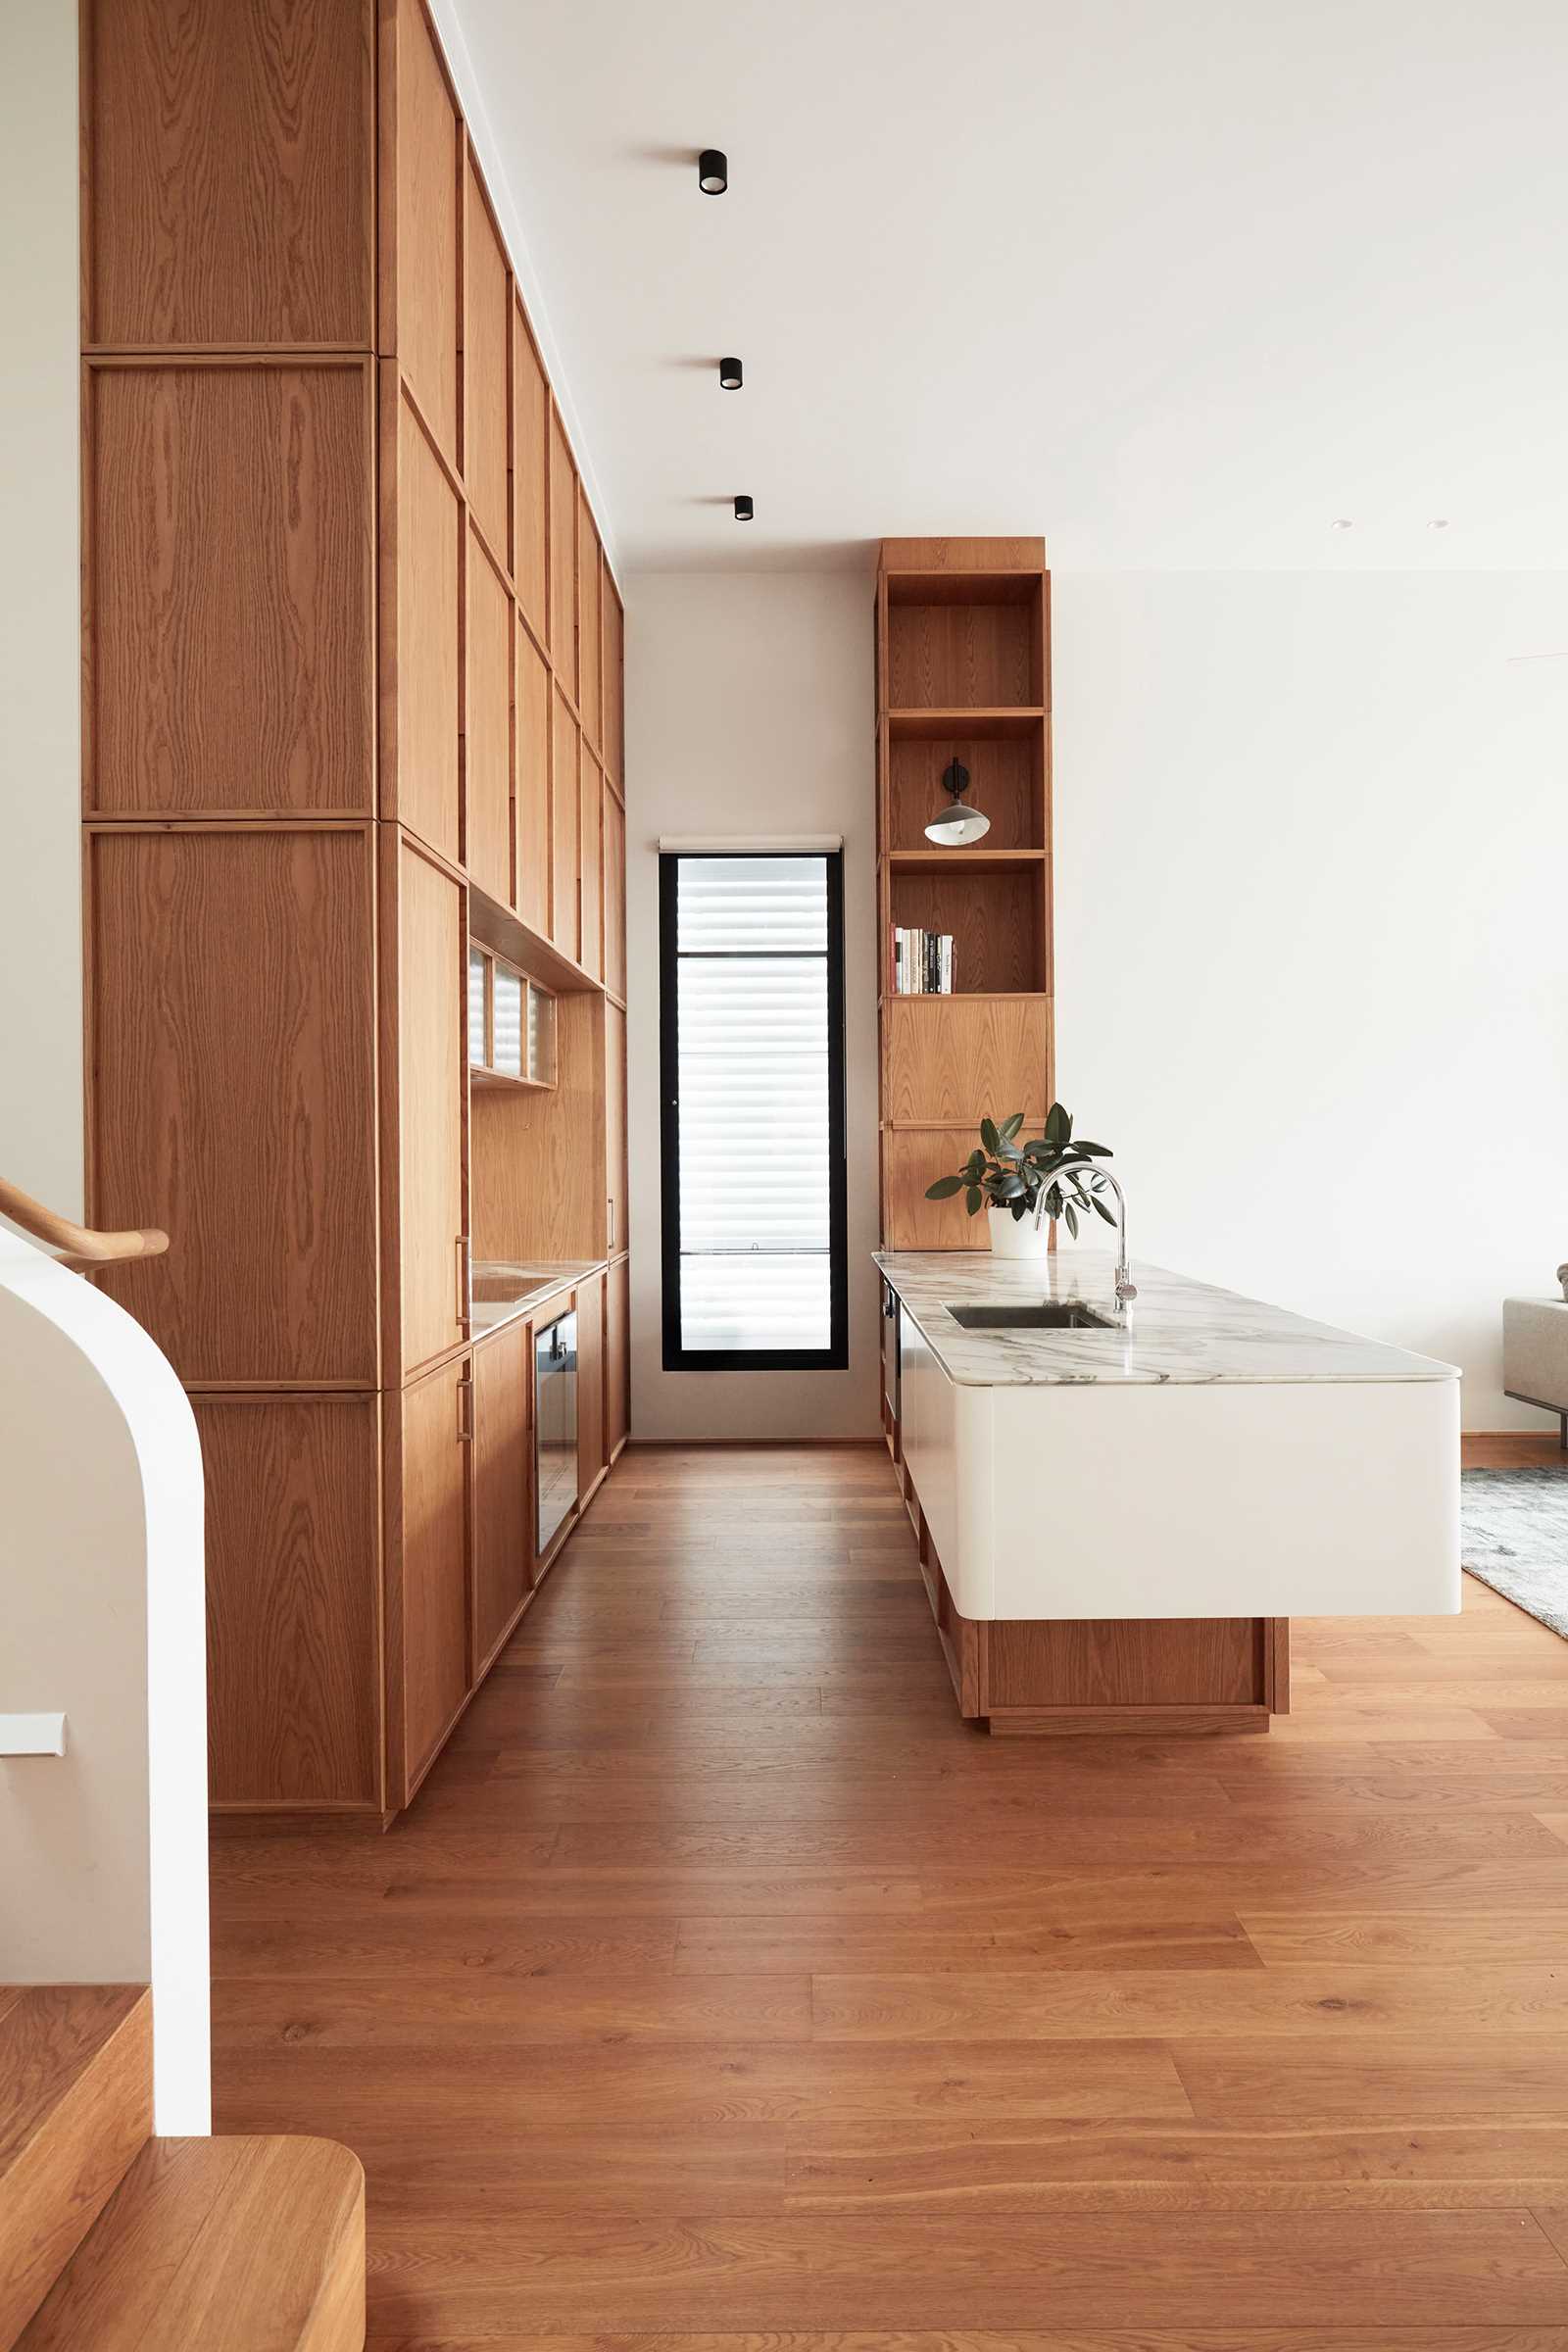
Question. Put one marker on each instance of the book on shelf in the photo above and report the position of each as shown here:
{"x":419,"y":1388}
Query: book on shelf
{"x":922,"y":963}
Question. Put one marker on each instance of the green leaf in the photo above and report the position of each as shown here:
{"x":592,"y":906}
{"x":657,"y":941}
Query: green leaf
{"x":1094,"y":1151}
{"x":975,"y":1200}
{"x":1104,"y":1211}
{"x":1020,"y":1209}
{"x":1010,"y":1127}
{"x":944,"y":1188}
{"x":989,"y":1135}
{"x":1059,"y":1126}
{"x":974,"y":1165}
{"x":1072,"y":1220}
{"x":1010,"y":1187}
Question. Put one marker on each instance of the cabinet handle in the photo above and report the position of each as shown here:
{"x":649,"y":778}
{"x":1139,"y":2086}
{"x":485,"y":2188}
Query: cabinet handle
{"x":466,"y":1410}
{"x":610,"y":1203}
{"x":464,"y":1307}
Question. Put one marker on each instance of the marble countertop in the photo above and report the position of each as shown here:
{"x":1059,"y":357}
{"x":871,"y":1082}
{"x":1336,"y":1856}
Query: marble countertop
{"x":503,"y":1289}
{"x":1176,"y":1330}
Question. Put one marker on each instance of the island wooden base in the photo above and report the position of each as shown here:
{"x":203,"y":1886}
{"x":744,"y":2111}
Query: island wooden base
{"x":1155,"y":1677}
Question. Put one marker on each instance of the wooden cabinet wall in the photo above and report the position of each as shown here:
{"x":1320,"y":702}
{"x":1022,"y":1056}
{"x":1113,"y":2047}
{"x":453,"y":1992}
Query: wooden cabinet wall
{"x":352,"y":691}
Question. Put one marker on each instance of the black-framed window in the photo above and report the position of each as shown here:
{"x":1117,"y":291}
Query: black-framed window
{"x":751,"y":1053}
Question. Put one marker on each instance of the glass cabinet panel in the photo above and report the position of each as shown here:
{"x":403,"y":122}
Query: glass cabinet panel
{"x":541,"y":1037}
{"x":476,"y":992}
{"x":506,"y":1017}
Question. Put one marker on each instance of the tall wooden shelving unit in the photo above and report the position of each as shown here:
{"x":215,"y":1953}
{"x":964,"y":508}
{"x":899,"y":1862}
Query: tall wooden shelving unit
{"x":351,"y":697}
{"x":963,"y":673}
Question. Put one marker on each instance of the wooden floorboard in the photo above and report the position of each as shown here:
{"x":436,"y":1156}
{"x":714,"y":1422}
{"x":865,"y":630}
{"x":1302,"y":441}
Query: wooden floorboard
{"x":723,"y":1992}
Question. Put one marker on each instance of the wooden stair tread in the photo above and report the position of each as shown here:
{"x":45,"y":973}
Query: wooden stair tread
{"x":241,"y":2244}
{"x":75,"y":2104}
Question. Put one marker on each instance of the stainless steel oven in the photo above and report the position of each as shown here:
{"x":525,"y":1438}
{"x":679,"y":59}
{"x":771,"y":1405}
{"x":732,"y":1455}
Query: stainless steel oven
{"x":555,"y":1365}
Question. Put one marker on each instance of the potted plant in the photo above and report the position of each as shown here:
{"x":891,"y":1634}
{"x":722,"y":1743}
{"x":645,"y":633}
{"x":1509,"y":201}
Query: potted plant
{"x":1026,"y":1187}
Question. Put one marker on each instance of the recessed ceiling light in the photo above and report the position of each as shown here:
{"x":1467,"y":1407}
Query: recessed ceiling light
{"x":729,"y":375}
{"x":1341,"y":522}
{"x":713,"y":172}
{"x":1439,"y":523}
{"x":743,"y":508}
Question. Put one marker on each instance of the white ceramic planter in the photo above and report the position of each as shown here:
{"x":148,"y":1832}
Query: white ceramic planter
{"x":1017,"y":1236}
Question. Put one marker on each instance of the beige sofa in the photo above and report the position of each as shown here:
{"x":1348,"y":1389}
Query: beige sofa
{"x":1535,"y":1352}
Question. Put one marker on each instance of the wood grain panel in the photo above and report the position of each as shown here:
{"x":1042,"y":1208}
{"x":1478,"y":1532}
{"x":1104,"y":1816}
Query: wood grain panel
{"x":432,"y":1077}
{"x":590,"y":1381}
{"x":229,"y":613}
{"x":590,"y":563}
{"x":614,"y":872}
{"x":538,"y":1158}
{"x":613,"y":665}
{"x":232,"y":1095}
{"x":534,"y":697}
{"x":427,"y":673}
{"x":1147,"y":1662}
{"x":566,"y":901}
{"x":487,"y":765}
{"x":432,"y":1561}
{"x":502,"y":1520}
{"x":75,"y":2104}
{"x":1005,"y":781}
{"x":955,"y":1064}
{"x":237,"y":2244}
{"x":963,"y":554}
{"x":590,"y":863}
{"x":486,"y":370}
{"x":293,"y":1600}
{"x":946,"y":656}
{"x":995,"y":920}
{"x":617,"y":1354}
{"x":563,"y":556}
{"x":531,"y":476}
{"x":227,"y":171}
{"x":911,"y":1159}
{"x":428,"y":137}
{"x":616,"y":1131}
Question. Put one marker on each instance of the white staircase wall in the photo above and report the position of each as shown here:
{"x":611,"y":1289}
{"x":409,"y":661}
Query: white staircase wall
{"x":103,"y":1851}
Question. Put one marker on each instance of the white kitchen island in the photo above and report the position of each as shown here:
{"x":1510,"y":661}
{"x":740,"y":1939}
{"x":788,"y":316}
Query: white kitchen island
{"x":1117,"y":1522}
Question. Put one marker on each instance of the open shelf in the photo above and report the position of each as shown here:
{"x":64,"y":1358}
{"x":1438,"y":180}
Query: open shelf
{"x":981,"y":722}
{"x":995,"y":915}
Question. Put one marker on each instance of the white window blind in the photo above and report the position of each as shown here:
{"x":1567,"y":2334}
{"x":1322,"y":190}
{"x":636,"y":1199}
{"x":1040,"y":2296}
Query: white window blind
{"x":752,"y":1084}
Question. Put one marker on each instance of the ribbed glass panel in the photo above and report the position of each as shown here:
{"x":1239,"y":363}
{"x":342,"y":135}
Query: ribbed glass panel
{"x":475,"y":1008}
{"x":760,"y":905}
{"x":506,"y":1012}
{"x":752,"y":1086}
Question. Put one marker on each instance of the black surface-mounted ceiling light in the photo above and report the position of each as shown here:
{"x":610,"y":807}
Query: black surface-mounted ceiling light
{"x":730,"y":376}
{"x":743,"y":508}
{"x":713,"y":172}
{"x":960,"y":824}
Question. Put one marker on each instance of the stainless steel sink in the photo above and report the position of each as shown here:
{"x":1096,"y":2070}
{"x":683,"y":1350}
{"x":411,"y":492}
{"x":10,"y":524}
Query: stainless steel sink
{"x":1050,"y":1314}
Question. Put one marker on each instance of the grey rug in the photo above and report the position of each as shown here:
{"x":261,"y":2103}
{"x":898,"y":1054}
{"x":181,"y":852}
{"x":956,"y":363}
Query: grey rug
{"x":1515,"y":1538}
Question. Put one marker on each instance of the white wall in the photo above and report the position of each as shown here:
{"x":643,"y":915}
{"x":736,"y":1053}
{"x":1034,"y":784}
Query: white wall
{"x":1312,"y":937}
{"x":40,"y":792}
{"x":749,"y":707}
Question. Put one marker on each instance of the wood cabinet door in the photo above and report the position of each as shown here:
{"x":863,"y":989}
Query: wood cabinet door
{"x":614,"y":868}
{"x":611,"y":664}
{"x":590,"y":863}
{"x":487,"y":780}
{"x":531,"y":474}
{"x":565,"y":795}
{"x":503,"y":1523}
{"x":293,"y":1497}
{"x":432,"y":1512}
{"x":421,"y":684}
{"x":618,"y":1356}
{"x":562,"y":557}
{"x":486,"y":370}
{"x":534,"y":700}
{"x":615,"y":1172}
{"x":232,"y":1090}
{"x":432,"y":1080}
{"x":428,"y":135}
{"x":588,"y":570}
{"x":590,"y":1381}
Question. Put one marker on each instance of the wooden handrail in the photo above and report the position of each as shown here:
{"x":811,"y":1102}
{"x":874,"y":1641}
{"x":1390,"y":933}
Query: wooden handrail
{"x":79,"y":1243}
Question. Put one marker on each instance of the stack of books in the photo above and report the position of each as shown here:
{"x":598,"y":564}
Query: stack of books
{"x":922,"y":963}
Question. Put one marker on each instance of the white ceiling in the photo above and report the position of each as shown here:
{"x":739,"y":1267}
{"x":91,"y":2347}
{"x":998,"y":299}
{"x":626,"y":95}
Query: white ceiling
{"x":1176,"y":284}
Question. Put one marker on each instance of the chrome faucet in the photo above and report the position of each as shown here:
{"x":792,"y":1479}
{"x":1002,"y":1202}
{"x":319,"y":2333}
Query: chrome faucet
{"x":1126,"y":1291}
